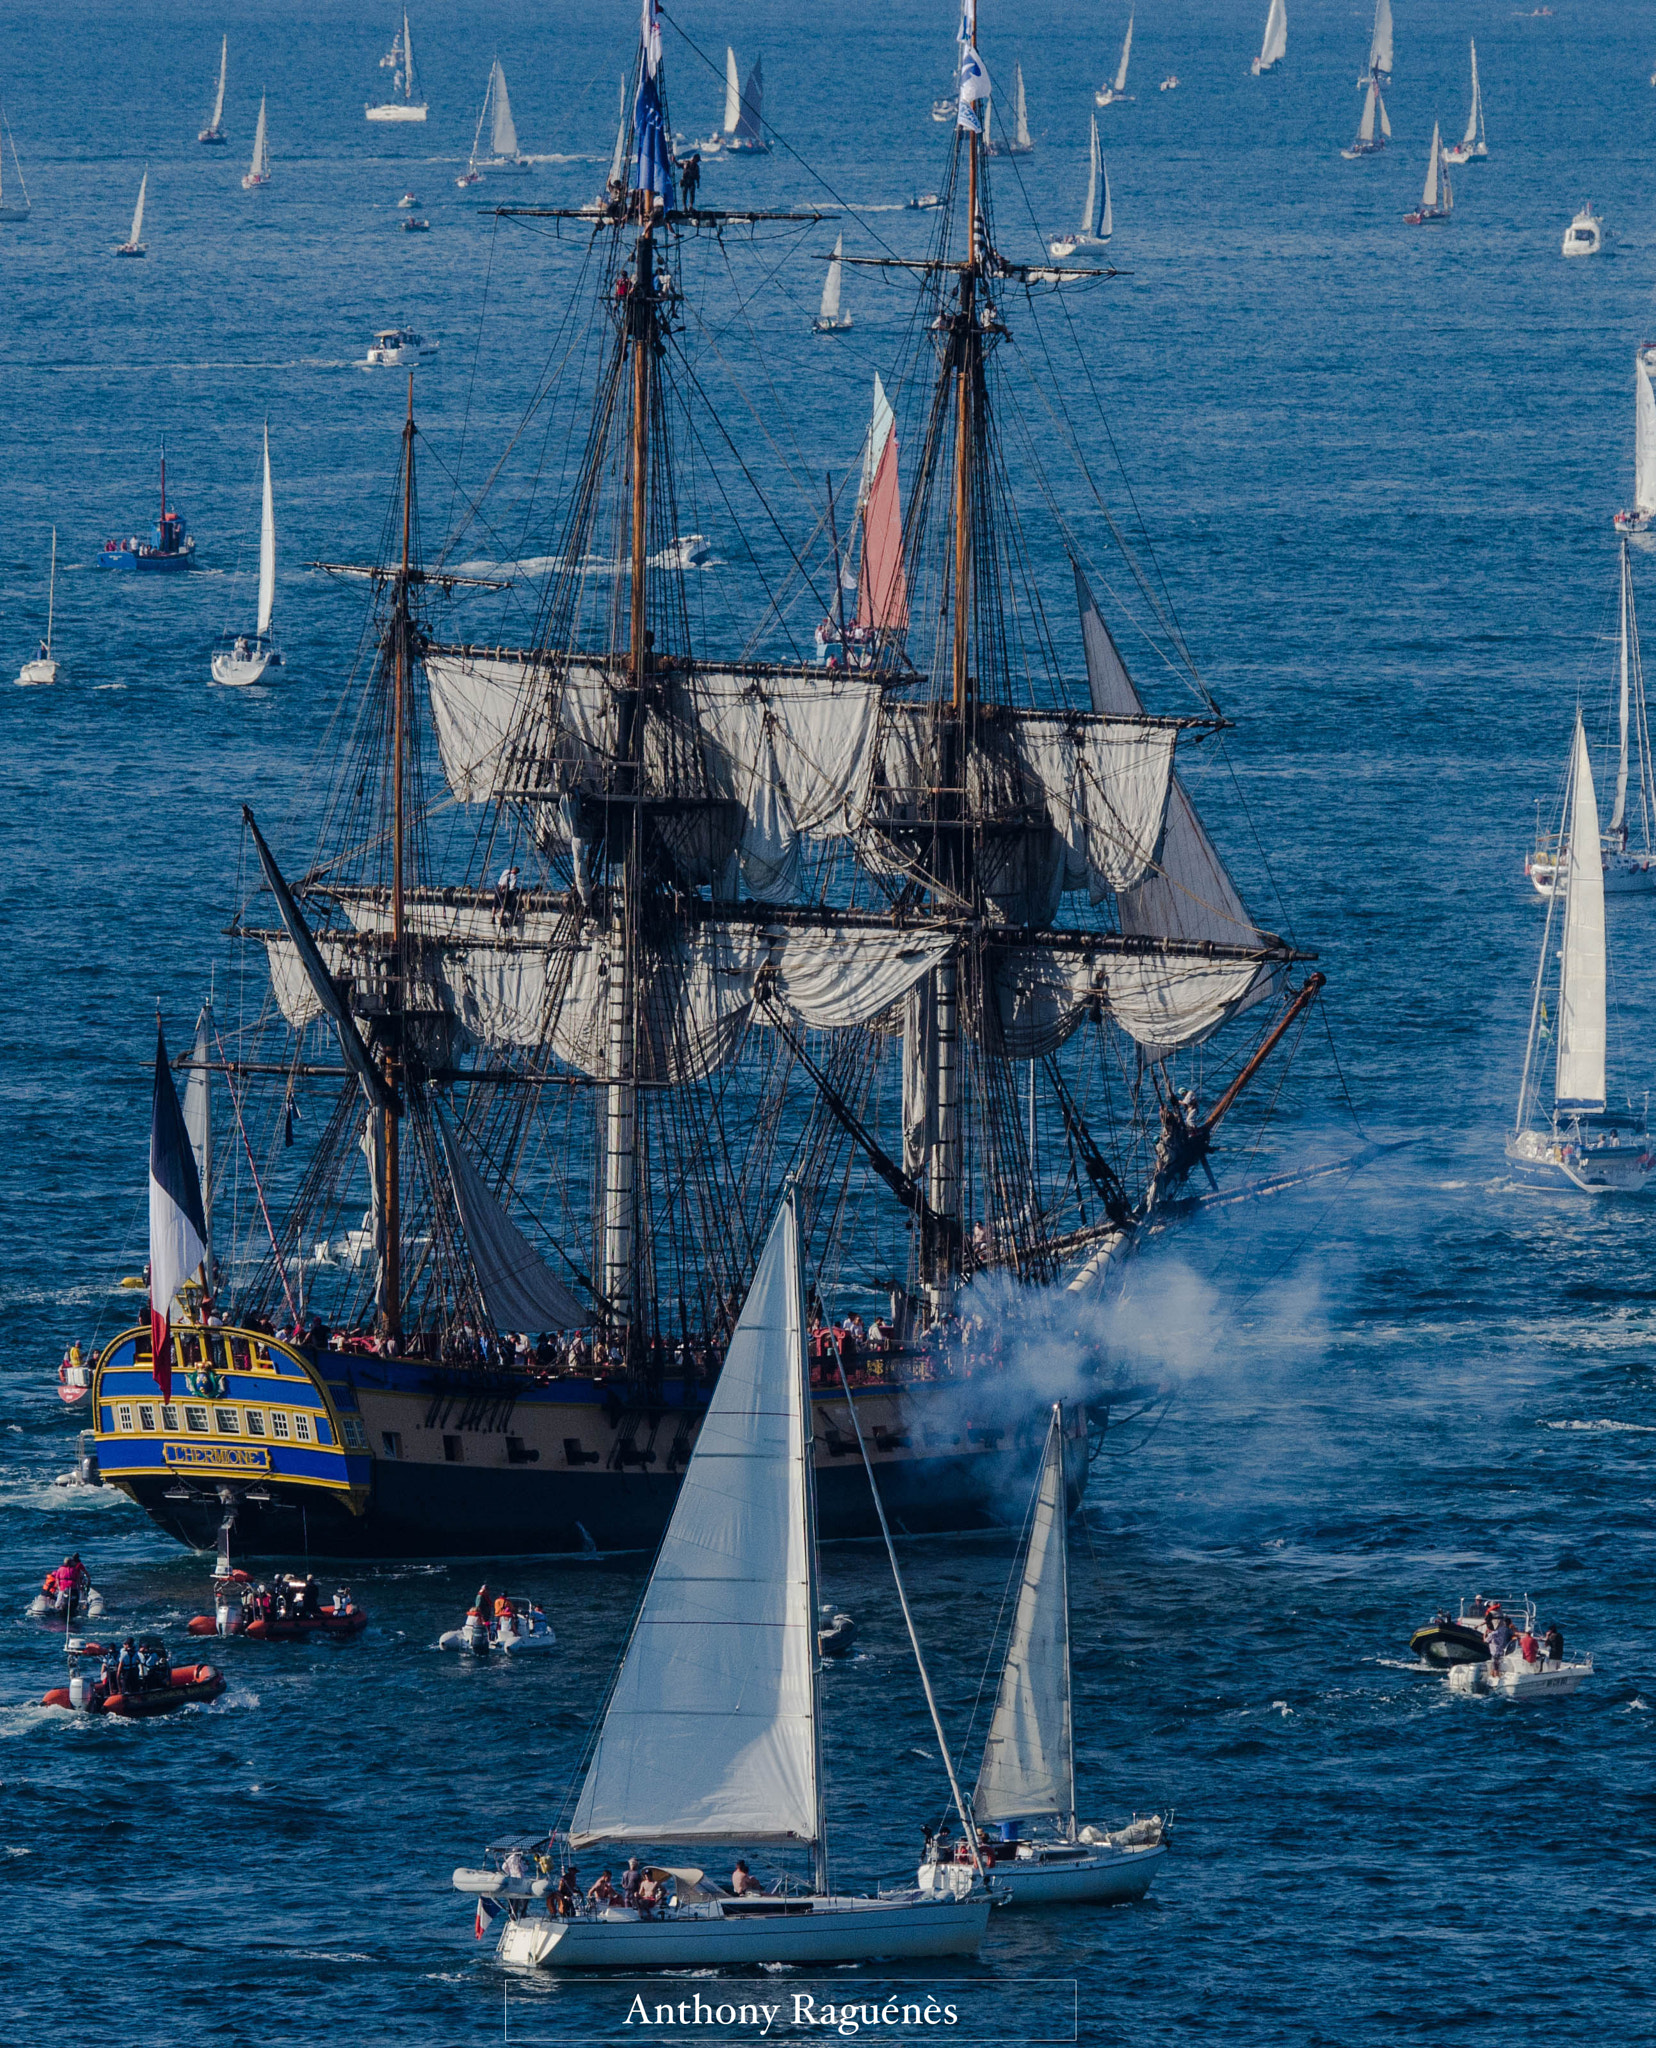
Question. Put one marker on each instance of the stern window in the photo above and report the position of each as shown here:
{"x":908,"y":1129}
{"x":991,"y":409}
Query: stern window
{"x":146,"y":1416}
{"x":301,"y":1428}
{"x":226,"y":1422}
{"x":196,"y":1418}
{"x":278,"y":1423}
{"x":169,"y":1417}
{"x":255,"y":1422}
{"x":123,"y":1416}
{"x":356,"y":1437}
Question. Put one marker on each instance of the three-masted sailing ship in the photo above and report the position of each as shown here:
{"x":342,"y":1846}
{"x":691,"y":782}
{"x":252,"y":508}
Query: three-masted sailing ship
{"x":610,"y":936}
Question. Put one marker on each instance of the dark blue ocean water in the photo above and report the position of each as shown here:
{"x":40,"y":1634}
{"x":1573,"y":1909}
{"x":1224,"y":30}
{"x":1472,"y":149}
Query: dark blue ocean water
{"x":1376,"y":470}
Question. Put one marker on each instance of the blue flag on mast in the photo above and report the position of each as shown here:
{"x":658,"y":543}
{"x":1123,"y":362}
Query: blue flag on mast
{"x":652,"y":153}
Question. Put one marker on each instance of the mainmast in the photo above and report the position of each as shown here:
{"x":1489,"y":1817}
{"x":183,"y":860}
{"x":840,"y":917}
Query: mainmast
{"x":390,"y":1303}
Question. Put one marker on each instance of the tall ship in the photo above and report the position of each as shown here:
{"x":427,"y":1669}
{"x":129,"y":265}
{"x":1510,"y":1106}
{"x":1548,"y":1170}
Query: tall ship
{"x":608,"y":940}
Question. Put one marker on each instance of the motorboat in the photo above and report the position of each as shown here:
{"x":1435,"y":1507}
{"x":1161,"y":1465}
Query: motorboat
{"x":246,"y":658}
{"x":289,"y":1610}
{"x":1437,"y":200}
{"x":1024,"y":1801}
{"x":1473,"y":1651}
{"x":923,"y":202}
{"x":1472,"y":147}
{"x":67,"y":1595}
{"x":43,"y":668}
{"x":75,"y":1374}
{"x":258,"y":170}
{"x":134,"y":243}
{"x":1636,"y":517}
{"x":396,"y":347}
{"x":409,"y":201}
{"x":1275,"y":45}
{"x":157,"y":1686}
{"x":1109,"y":95}
{"x":686,"y":551}
{"x":169,"y":550}
{"x":213,"y":133}
{"x":518,"y":1627}
{"x":1168,"y":84}
{"x":399,"y":61}
{"x":415,"y":224}
{"x":1585,"y":234}
{"x":831,"y":319}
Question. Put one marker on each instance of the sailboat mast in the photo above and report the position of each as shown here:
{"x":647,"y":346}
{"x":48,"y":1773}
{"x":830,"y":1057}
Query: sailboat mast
{"x":51,"y":597}
{"x":391,"y":1268}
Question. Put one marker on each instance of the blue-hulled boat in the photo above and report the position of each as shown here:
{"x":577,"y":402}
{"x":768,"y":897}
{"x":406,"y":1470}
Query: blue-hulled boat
{"x":170,"y":546}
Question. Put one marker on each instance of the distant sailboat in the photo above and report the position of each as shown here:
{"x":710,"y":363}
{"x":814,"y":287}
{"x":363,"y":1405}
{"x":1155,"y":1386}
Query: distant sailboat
{"x":1097,"y":221}
{"x":1021,"y":143}
{"x":1276,"y":39}
{"x":44,"y":669}
{"x":504,"y":154}
{"x":744,"y":121}
{"x":246,"y":657}
{"x":214,"y":130}
{"x":1471,"y":145}
{"x":830,"y":320}
{"x":1107,"y":95}
{"x":1584,"y":1144}
{"x":402,"y":105}
{"x":1643,"y":509}
{"x":258,"y":172}
{"x":1437,"y":200}
{"x":15,"y":208}
{"x":134,"y":243}
{"x":1380,"y":46}
{"x":1368,"y":141}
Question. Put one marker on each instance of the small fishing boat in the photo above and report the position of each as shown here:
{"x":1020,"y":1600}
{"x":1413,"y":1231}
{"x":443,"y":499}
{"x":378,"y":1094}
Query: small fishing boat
{"x":1437,"y":200}
{"x":258,"y":171}
{"x":1636,"y":517}
{"x":1628,"y":870}
{"x":396,"y":347}
{"x":410,"y":200}
{"x":1275,"y":46}
{"x":1584,"y":1144}
{"x":1374,"y":129}
{"x":516,"y":1628}
{"x":17,"y":207}
{"x":245,"y":658}
{"x":1116,"y":90}
{"x":289,"y":1610}
{"x":1472,"y":147}
{"x":44,"y":668}
{"x":1097,"y":220}
{"x":151,"y":1685}
{"x":213,"y":133}
{"x":169,"y":549}
{"x":399,"y":61}
{"x":1027,"y":1778}
{"x":134,"y":244}
{"x":1168,"y":84}
{"x":923,"y":202}
{"x":503,"y":153}
{"x":1585,"y":234}
{"x":1491,"y":1646}
{"x":830,"y":319}
{"x":1380,"y":47}
{"x":416,"y":224}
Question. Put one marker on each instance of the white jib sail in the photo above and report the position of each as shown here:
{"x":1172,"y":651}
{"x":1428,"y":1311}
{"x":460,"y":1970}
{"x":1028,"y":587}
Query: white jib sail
{"x":504,"y":139}
{"x":1029,"y":1760}
{"x":831,"y":283}
{"x":620,"y":155}
{"x":1429,"y":197}
{"x":260,"y":166}
{"x":1644,"y":439}
{"x":733,"y":93}
{"x":1020,"y":124}
{"x":1385,"y":123}
{"x":1089,"y":213}
{"x":1365,"y":127}
{"x":1474,"y":120}
{"x":267,"y":547}
{"x":1276,"y":36}
{"x":710,"y":1734}
{"x":1380,"y":49}
{"x":138,"y":210}
{"x":218,"y":99}
{"x":1624,"y":705}
{"x":1579,"y":1079}
{"x":1126,"y":52}
{"x":1106,"y":221}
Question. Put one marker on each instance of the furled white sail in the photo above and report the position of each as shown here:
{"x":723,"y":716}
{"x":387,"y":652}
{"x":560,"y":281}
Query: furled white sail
{"x":138,"y":211}
{"x":1644,"y":438}
{"x":1028,"y":1769}
{"x":198,"y":1116}
{"x":620,"y":156}
{"x":1275,"y":46}
{"x":1020,"y":143}
{"x":218,"y":97}
{"x":260,"y":166}
{"x":267,"y":547}
{"x":1126,"y":52}
{"x":1380,"y":48}
{"x":831,"y":283}
{"x":733,"y":92}
{"x":1579,"y":1077}
{"x":710,"y":1734}
{"x":503,"y":137}
{"x":520,"y":1291}
{"x":1429,"y":197}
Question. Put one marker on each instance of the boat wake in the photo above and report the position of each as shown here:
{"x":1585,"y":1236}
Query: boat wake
{"x":1606,"y":1423}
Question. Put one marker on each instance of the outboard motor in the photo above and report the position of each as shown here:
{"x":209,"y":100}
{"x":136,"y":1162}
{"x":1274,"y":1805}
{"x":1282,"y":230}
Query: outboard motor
{"x":86,"y":1459}
{"x":475,"y":1632}
{"x":80,"y":1690}
{"x":229,"y":1612}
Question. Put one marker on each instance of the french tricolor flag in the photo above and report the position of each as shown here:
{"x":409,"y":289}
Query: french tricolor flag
{"x":178,"y":1226}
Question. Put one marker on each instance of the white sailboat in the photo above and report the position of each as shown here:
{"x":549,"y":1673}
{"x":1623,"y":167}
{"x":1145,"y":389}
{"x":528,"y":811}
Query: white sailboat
{"x":258,"y":171}
{"x":1628,"y":870}
{"x":1639,"y":515}
{"x":1373,"y":130}
{"x":1028,"y":1770}
{"x":1380,"y":46}
{"x":1107,"y":95}
{"x":829,"y":319}
{"x":214,"y":130}
{"x":247,"y":657}
{"x":1097,"y":220}
{"x":402,"y":105}
{"x":1472,"y":145}
{"x":1021,"y":143}
{"x":44,"y":668}
{"x":744,"y":114}
{"x":17,"y":207}
{"x":712,"y":1731}
{"x":1275,"y":46}
{"x":1437,"y":199}
{"x":503,"y":152}
{"x":1584,"y":1144}
{"x":134,"y":243}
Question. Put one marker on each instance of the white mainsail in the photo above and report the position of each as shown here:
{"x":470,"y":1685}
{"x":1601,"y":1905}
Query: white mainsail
{"x":831,"y":283}
{"x":710,"y":1734}
{"x":1126,"y":52}
{"x":408,"y":59}
{"x":1275,"y":46}
{"x":198,"y":1117}
{"x":733,"y":93}
{"x":218,"y":99}
{"x":260,"y":166}
{"x":267,"y":548}
{"x":1429,"y":197}
{"x":1020,"y":143}
{"x":1365,"y":127}
{"x":1095,"y":162}
{"x":1473,"y":139}
{"x":1578,"y":1081}
{"x":1623,"y":705}
{"x":503,"y":140}
{"x":138,"y":212}
{"x":1028,"y":1766}
{"x":1644,"y":439}
{"x":1380,"y":48}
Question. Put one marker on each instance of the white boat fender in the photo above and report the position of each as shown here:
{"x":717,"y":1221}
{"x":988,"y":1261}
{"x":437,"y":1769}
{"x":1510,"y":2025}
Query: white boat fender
{"x":485,"y":1884}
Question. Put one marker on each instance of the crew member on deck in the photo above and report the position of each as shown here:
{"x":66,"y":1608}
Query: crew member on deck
{"x":742,"y":1880}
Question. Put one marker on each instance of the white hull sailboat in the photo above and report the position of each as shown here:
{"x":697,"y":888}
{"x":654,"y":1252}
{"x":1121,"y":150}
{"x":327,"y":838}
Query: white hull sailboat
{"x":744,"y":111}
{"x":44,"y":669}
{"x":1437,"y":199}
{"x":402,"y":105}
{"x":830,"y":319}
{"x":17,"y":206}
{"x":1628,"y":870}
{"x":249,"y":657}
{"x":1097,"y":219}
{"x":1275,"y":46}
{"x":258,"y":171}
{"x":1472,"y":147}
{"x":134,"y":243}
{"x":1585,"y":1144}
{"x":503,"y":152}
{"x":711,"y":1734}
{"x":1109,"y":95}
{"x":214,"y":130}
{"x":1374,"y":129}
{"x":1027,"y":1778}
{"x":1636,"y":517}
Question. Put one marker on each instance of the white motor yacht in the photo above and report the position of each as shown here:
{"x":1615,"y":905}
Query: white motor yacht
{"x":395,"y":347}
{"x":1585,"y":234}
